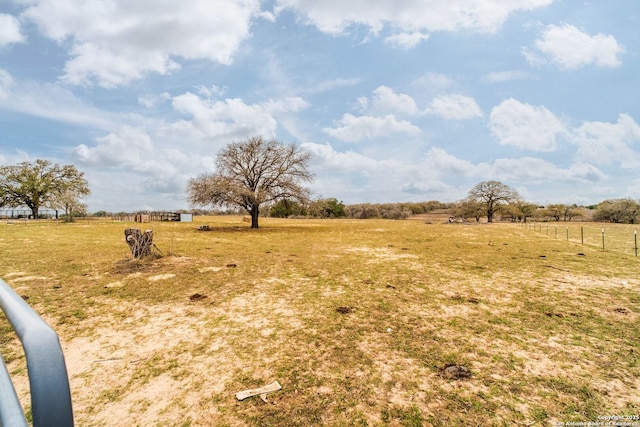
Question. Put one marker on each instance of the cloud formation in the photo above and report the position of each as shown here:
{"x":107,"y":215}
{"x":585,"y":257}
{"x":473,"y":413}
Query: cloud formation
{"x":525,"y":126}
{"x":569,"y":48}
{"x":9,"y":30}
{"x":353,"y":129}
{"x":115,"y":42}
{"x":406,"y":40}
{"x":455,"y":107}
{"x":127,"y":147}
{"x":229,"y":119}
{"x":482,"y":16}
{"x":602,"y":143}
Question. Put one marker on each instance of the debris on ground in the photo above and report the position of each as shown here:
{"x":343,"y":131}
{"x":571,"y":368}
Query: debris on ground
{"x":262,"y":391}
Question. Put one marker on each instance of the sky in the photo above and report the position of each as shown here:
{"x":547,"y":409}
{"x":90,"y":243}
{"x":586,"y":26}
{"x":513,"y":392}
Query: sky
{"x":396,"y":101}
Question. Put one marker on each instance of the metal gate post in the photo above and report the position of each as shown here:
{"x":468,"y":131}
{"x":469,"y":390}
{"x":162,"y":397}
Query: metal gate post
{"x":48,"y":379}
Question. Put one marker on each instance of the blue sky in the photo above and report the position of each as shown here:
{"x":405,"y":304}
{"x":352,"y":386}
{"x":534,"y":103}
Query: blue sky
{"x":407,"y":100}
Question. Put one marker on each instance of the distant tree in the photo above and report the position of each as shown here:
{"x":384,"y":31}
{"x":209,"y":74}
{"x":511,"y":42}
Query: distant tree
{"x":493,"y":195}
{"x":252,"y":173}
{"x":560,"y":212}
{"x":40,"y":184}
{"x":327,"y":208}
{"x":618,"y":211}
{"x":69,"y":201}
{"x":285,"y":208}
{"x":523,"y":210}
{"x":362,"y":211}
{"x":469,"y":209}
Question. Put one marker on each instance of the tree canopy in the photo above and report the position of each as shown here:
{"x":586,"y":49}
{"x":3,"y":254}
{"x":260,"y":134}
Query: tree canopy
{"x":618,"y":211}
{"x":41,"y":183}
{"x":493,"y":195}
{"x":251,"y":173}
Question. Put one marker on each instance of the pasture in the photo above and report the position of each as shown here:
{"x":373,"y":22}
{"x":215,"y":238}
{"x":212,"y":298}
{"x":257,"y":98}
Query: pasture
{"x":356,"y":319}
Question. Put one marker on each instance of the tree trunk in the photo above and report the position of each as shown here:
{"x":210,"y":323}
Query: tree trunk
{"x":34,"y":212}
{"x":140,"y":243}
{"x":255,"y":213}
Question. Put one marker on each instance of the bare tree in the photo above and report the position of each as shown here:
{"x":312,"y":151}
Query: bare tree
{"x":252,"y":173}
{"x":493,"y":195}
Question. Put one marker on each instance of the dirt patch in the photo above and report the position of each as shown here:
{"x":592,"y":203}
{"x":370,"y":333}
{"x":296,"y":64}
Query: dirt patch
{"x":138,"y":367}
{"x":380,"y":254}
{"x":159,"y":277}
{"x":209,"y":269}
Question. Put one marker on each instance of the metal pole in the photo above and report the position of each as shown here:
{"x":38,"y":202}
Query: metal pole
{"x":48,"y":379}
{"x":567,"y":234}
{"x":582,"y":235}
{"x":603,"y":239}
{"x":635,"y":241}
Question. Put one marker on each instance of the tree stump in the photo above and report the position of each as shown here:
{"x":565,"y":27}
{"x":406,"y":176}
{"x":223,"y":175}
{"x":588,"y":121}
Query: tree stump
{"x":140,"y":243}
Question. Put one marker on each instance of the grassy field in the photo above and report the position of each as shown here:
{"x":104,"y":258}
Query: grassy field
{"x":620,"y":238}
{"x":380,"y":323}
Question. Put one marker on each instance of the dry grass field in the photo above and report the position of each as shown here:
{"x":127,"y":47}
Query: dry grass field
{"x":378,"y":323}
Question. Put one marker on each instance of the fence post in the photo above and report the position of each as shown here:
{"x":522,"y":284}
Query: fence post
{"x":635,"y":241}
{"x":567,"y":234}
{"x":603,"y":239}
{"x":582,"y":235}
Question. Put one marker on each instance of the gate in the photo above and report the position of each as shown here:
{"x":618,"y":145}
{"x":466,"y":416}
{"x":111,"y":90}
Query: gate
{"x":48,"y":380}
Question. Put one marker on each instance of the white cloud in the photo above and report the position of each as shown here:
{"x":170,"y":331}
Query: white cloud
{"x":52,"y":102}
{"x":151,"y":101}
{"x":332,"y":160}
{"x":406,"y":41}
{"x":386,"y":100}
{"x":569,"y":48}
{"x":525,"y":126}
{"x":118,"y":41}
{"x":127,"y":147}
{"x":443,"y":163}
{"x":229,"y":119}
{"x":328,"y":85}
{"x":505,"y":76}
{"x":9,"y":30}
{"x":352,"y":129}
{"x":6,"y":81}
{"x":454,"y":107}
{"x":290,"y":104}
{"x":524,"y":169}
{"x":431,"y":186}
{"x":211,"y":91}
{"x":532,"y":170}
{"x":604,"y":143}
{"x":335,"y":17}
{"x":434,"y":82}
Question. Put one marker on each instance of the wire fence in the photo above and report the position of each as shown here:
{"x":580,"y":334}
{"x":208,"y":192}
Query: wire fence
{"x":621,"y":238}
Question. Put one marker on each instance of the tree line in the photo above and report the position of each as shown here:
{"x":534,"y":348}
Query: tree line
{"x":265,"y":177}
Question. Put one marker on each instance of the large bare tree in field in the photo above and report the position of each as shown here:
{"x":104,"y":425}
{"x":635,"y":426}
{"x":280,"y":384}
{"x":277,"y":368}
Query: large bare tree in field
{"x":492,"y":195}
{"x":252,"y":173}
